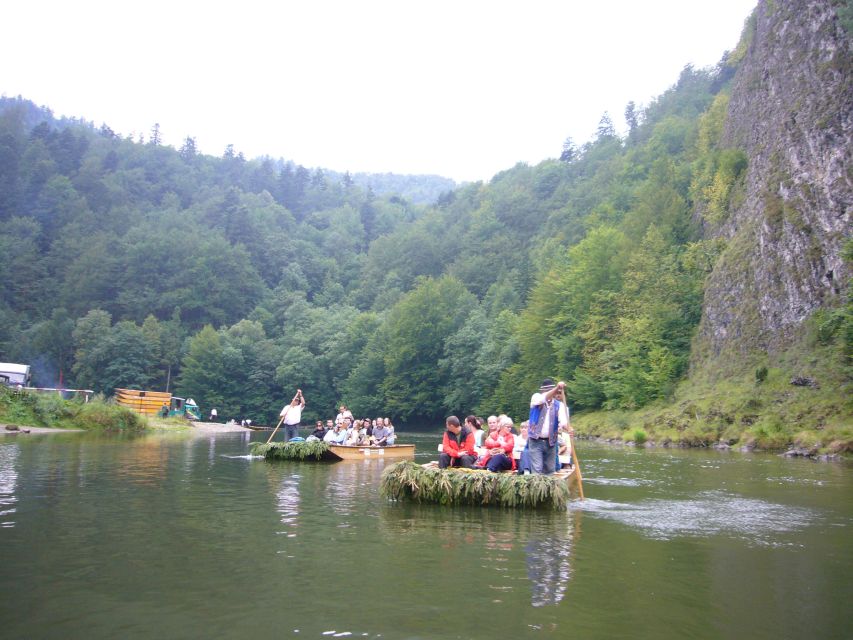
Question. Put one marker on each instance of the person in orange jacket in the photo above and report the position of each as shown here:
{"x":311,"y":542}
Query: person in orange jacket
{"x":457,"y":446}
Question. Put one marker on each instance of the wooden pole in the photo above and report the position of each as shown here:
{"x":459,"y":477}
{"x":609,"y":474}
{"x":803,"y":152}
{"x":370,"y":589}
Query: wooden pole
{"x":575,"y":462}
{"x":279,"y":424}
{"x":576,"y":465}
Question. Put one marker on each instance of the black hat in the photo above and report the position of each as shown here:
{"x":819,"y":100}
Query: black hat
{"x":547,"y":385}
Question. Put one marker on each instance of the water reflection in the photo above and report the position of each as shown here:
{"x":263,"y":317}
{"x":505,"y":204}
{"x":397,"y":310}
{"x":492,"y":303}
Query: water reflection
{"x":142,"y":462}
{"x":531,"y":551}
{"x":287,"y":504}
{"x":8,"y":480}
{"x":549,"y":561}
{"x":351,"y":486}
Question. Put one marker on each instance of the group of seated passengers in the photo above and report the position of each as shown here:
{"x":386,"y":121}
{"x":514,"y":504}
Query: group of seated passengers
{"x":497,"y":450}
{"x":378,"y":432}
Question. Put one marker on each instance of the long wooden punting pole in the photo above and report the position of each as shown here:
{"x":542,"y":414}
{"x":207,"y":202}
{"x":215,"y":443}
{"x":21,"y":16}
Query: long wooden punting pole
{"x":577,"y":465}
{"x":279,"y":424}
{"x":575,"y":462}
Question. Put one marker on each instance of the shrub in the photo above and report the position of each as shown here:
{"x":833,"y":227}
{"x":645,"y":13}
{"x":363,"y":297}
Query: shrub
{"x":639,"y":436}
{"x":108,"y":417}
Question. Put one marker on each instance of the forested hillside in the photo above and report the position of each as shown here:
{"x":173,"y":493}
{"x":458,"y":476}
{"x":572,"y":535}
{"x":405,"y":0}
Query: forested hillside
{"x":130,"y":263}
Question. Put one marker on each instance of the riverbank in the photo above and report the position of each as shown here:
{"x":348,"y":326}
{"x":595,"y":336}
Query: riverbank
{"x":154,"y":424}
{"x":23,"y":430}
{"x":760,"y":409}
{"x":29,"y":410}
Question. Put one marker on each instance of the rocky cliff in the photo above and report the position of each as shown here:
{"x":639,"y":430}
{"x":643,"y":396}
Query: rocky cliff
{"x":791,"y":113}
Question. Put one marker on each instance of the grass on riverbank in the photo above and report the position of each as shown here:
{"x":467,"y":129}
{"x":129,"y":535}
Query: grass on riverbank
{"x":799,"y":399}
{"x":50,"y":410}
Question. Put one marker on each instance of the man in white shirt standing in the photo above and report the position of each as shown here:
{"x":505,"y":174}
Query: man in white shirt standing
{"x":548,"y":414}
{"x":292,"y":414}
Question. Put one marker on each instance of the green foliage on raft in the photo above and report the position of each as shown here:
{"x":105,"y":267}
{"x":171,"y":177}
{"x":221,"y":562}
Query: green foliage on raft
{"x":299,"y":450}
{"x":410,"y":481}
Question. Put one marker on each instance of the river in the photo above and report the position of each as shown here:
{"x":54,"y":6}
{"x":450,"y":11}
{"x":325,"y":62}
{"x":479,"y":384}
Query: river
{"x":178,"y":536}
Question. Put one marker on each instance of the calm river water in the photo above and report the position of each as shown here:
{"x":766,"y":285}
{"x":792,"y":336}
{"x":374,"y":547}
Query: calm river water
{"x":176,"y":536}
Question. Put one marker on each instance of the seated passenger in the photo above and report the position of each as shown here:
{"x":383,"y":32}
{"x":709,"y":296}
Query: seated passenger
{"x":457,"y":446}
{"x":354,"y":438}
{"x":520,"y":440}
{"x":520,"y":452}
{"x":499,"y":456}
{"x":319,"y":432}
{"x":380,"y":435}
{"x":331,"y":436}
{"x":392,"y":436}
{"x":564,"y":448}
{"x":477,"y":429}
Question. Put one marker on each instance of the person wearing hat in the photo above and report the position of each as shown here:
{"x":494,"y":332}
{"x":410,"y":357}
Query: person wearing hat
{"x":548,"y":414}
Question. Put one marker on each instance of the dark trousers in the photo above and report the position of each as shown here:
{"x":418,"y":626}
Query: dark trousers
{"x":444,"y":461}
{"x":290,"y":431}
{"x":498,"y":463}
{"x":543,"y":455}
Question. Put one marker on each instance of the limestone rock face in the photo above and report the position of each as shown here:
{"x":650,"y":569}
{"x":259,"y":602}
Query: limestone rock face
{"x":791,"y":112}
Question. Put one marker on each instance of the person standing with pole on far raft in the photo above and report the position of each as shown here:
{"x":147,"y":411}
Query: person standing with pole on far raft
{"x":292,"y":415}
{"x":548,"y":414}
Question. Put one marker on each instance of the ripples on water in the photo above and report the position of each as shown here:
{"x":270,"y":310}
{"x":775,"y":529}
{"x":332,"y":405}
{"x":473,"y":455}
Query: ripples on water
{"x":8,"y":480}
{"x":710,"y":513}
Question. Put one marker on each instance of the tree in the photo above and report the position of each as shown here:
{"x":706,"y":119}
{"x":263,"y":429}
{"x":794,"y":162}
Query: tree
{"x":569,"y":151}
{"x":631,"y":117}
{"x":188,"y":149}
{"x":124,"y":359}
{"x":418,"y":328}
{"x":9,"y":175}
{"x":605,"y":130}
{"x":22,"y":271}
{"x":155,"y":139}
{"x":108,"y":357}
{"x":203,"y":369}
{"x":49,"y":348}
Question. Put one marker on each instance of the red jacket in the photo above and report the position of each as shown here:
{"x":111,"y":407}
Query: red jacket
{"x":507,"y":443}
{"x":454,"y":449}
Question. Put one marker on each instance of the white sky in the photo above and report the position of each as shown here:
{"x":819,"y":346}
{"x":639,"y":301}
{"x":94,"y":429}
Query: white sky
{"x":461,"y":88}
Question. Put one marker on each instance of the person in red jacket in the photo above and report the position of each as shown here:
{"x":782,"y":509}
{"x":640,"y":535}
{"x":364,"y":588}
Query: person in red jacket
{"x":458,"y":445}
{"x":499,"y":447}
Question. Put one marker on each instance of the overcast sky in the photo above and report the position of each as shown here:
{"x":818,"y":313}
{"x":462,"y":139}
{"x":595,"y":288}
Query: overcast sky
{"x":459,"y":88}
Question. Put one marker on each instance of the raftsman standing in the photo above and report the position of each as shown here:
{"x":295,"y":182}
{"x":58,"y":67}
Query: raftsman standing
{"x":292,"y":414}
{"x":547,"y":416}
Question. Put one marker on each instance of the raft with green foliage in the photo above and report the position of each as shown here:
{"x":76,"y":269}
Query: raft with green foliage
{"x":409,"y":481}
{"x":298,"y":450}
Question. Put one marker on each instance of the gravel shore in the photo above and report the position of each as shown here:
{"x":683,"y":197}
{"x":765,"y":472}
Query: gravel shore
{"x":201,"y":428}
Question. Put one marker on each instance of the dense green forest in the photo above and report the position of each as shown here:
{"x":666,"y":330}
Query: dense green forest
{"x":128,"y":263}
